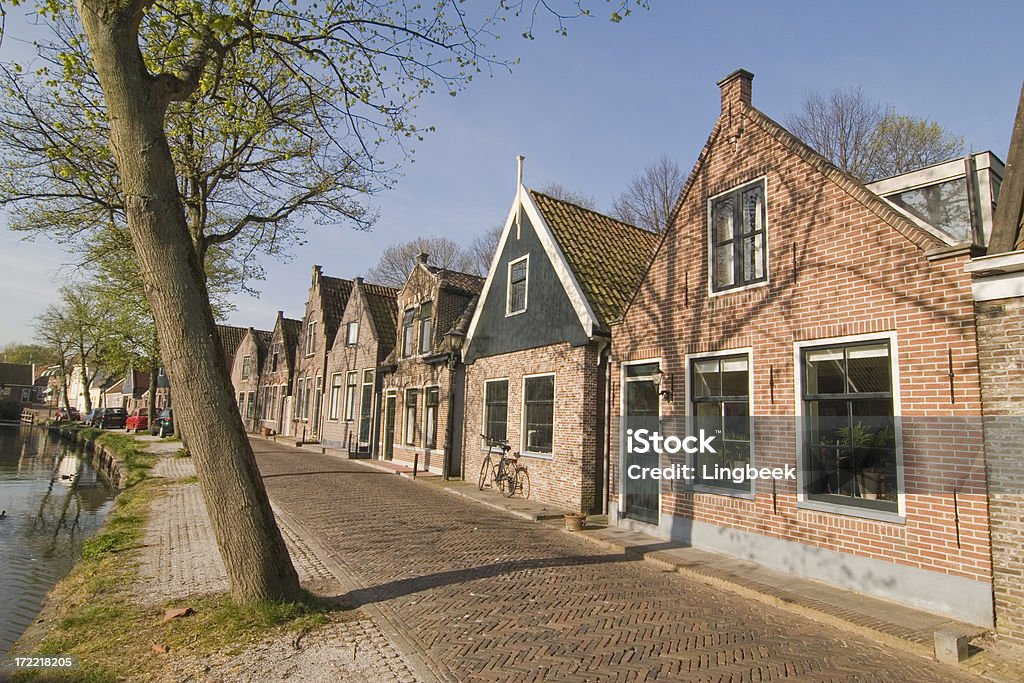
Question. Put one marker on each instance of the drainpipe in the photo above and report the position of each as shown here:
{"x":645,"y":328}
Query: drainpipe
{"x":604,"y":358}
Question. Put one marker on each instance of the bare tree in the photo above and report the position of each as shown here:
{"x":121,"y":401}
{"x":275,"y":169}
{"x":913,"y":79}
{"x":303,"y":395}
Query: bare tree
{"x":650,"y":198}
{"x":560,"y":191}
{"x":866,"y":139}
{"x":398,"y":260}
{"x":481,"y":250}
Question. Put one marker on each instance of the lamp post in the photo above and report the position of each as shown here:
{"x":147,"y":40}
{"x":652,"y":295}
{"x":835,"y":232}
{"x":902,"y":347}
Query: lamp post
{"x":659,"y":380}
{"x":454,"y":341}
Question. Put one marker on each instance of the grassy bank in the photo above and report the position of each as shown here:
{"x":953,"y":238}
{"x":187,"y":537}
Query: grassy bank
{"x":95,"y":612}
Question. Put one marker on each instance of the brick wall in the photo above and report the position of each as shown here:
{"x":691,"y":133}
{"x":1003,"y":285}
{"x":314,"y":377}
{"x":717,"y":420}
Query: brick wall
{"x":310,"y":363}
{"x":251,"y":383}
{"x":836,"y":269}
{"x":567,"y":479}
{"x":1001,"y":355}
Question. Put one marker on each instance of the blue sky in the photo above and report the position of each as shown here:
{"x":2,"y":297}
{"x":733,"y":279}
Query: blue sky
{"x":592,"y":109}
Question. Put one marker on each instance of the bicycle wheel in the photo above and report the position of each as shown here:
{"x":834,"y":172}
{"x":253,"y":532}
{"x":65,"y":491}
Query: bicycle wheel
{"x":484,"y":470}
{"x":510,"y":483}
{"x":523,"y":481}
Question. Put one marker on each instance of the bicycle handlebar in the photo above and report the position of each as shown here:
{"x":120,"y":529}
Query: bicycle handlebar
{"x":497,"y":442}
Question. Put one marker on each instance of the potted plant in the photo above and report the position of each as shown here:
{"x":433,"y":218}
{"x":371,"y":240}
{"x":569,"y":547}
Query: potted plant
{"x":575,"y":521}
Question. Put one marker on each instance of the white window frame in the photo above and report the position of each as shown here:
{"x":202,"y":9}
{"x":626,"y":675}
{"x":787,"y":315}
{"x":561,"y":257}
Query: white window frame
{"x":409,"y":427}
{"x":335,"y":397}
{"x":710,"y":239}
{"x":351,"y":384}
{"x":802,"y":502}
{"x":690,"y":411}
{"x":483,"y":413}
{"x":408,"y":341}
{"x":368,"y":413}
{"x":310,"y":337}
{"x":423,"y":345}
{"x":352,"y":333}
{"x":508,"y":287}
{"x":522,"y":417}
{"x":246,"y":366}
{"x":426,"y":412}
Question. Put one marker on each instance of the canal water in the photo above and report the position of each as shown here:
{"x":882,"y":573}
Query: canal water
{"x":51,"y":502}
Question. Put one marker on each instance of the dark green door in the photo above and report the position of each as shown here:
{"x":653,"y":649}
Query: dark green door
{"x":389,"y":427}
{"x":641,"y":407}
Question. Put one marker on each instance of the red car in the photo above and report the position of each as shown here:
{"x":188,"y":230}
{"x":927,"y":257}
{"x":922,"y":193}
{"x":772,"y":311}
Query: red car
{"x":137,"y":421}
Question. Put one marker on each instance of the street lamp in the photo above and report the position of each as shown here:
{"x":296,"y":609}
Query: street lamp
{"x":454,"y":340}
{"x":659,"y":379}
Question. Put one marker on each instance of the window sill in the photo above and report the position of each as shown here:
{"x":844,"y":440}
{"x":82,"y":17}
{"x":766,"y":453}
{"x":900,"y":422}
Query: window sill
{"x":851,"y":511}
{"x":510,"y":314}
{"x":715,"y":491}
{"x":735,"y":290}
{"x":537,"y":456}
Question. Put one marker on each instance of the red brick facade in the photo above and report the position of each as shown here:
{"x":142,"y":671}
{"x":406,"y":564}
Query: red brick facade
{"x":245,"y":376}
{"x":568,"y":478}
{"x":840,"y":265}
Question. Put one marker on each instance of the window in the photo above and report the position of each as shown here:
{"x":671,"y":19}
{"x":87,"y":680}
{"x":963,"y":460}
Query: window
{"x":272,"y":412}
{"x":407,"y":332}
{"x":265,"y":407}
{"x":738,"y":238}
{"x":250,"y":408}
{"x":335,"y":397}
{"x":350,"y":396}
{"x":300,"y":390}
{"x":518,"y":272}
{"x":241,"y":403}
{"x":352,"y":334}
{"x":539,"y":413}
{"x":365,"y":405}
{"x":307,"y":397}
{"x":720,"y":394}
{"x":426,"y":310}
{"x":410,"y":416}
{"x":310,"y":337}
{"x":850,"y":455}
{"x":496,"y":409}
{"x":317,"y":396}
{"x":274,"y":356}
{"x":432,"y":400}
{"x":246,"y":366}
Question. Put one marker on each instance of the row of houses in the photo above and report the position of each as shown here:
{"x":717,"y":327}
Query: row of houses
{"x":868,"y":337}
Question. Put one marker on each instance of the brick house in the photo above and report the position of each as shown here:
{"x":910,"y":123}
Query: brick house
{"x":327,"y":299}
{"x":17,"y":381}
{"x":366,"y":335}
{"x":135,"y":390}
{"x":276,"y":375}
{"x":230,"y":338}
{"x":999,"y":308}
{"x":423,"y":378}
{"x":246,"y":372}
{"x":537,"y":348}
{"x":804,"y":321}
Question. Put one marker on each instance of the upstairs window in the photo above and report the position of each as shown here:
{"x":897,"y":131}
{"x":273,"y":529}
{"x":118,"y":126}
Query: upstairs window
{"x":426,"y":311}
{"x":738,"y":238}
{"x":310,"y":337}
{"x":274,"y":356}
{"x":352,"y":334}
{"x":518,"y":272}
{"x":407,"y":332}
{"x":246,"y":366}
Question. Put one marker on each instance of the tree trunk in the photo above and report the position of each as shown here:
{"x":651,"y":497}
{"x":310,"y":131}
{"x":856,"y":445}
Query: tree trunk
{"x":85,"y":379}
{"x":251,"y":545}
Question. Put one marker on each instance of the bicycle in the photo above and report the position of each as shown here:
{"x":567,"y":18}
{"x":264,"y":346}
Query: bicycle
{"x":507,"y":473}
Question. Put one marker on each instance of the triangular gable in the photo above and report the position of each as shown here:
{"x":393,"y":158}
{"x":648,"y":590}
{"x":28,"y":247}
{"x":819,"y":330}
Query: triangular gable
{"x":577,"y":299}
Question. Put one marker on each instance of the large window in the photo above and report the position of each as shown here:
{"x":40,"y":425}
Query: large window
{"x":538,"y":413}
{"x":250,"y":408}
{"x":350,"y":395}
{"x":335,"y":397}
{"x":518,"y":273}
{"x":426,"y":311}
{"x":850,"y":455}
{"x":496,"y":409}
{"x":365,"y":405}
{"x":300,"y":393}
{"x":720,"y":394}
{"x":432,"y":400}
{"x":407,"y":332}
{"x":738,"y":238}
{"x":352,"y":334}
{"x":275,"y":356}
{"x":307,"y":398}
{"x":246,"y":366}
{"x":410,"y":416}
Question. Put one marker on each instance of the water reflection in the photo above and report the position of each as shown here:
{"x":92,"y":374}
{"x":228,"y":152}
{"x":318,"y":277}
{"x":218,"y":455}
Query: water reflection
{"x":53,"y":501}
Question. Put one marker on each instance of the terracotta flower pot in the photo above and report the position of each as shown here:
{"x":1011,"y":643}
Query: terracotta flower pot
{"x":575,"y":521}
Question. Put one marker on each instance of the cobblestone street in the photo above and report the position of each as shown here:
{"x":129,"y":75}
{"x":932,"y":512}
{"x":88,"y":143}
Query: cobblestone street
{"x":485,"y":596}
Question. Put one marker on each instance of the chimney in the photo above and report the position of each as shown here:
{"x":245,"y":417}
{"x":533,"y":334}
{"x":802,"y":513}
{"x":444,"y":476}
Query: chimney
{"x":316,"y":274}
{"x":422,"y":257}
{"x":736,"y":88}
{"x":358,"y":279}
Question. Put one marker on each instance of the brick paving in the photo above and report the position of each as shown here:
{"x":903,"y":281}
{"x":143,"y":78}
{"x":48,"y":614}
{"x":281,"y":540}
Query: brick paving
{"x":485,"y":596}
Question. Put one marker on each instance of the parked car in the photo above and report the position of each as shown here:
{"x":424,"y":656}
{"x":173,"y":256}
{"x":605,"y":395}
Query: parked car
{"x":111,"y":418}
{"x":163,"y":425}
{"x":91,"y":417}
{"x":68,"y":414}
{"x":137,"y":421}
